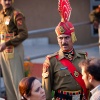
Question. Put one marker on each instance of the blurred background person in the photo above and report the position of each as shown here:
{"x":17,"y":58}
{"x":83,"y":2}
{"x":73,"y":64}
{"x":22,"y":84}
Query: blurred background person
{"x":95,"y":20}
{"x":31,"y":89}
{"x":95,"y":17}
{"x":13,"y":32}
{"x":91,"y":76}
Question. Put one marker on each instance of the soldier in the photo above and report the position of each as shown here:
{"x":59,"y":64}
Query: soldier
{"x":95,"y":17}
{"x":95,"y":20}
{"x":13,"y":32}
{"x":60,"y":70}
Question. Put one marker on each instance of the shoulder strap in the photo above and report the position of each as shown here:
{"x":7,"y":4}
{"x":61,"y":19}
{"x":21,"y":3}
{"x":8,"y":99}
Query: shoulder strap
{"x":15,"y":13}
{"x":77,"y":75}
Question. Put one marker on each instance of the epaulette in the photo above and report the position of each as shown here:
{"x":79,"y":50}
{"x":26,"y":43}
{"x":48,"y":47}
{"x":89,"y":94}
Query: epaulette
{"x":83,"y":53}
{"x":16,"y":13}
{"x":51,"y":55}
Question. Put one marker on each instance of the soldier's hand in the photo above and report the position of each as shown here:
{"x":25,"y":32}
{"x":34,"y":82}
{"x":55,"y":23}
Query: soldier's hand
{"x":96,"y":24}
{"x":45,"y":74}
{"x":2,"y":46}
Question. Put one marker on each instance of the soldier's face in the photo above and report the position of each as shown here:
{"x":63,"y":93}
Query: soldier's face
{"x":6,"y":3}
{"x":65,"y":42}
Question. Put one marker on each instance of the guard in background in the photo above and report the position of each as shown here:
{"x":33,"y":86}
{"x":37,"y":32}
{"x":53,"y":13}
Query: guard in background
{"x":61,"y":72}
{"x":95,"y":20}
{"x":13,"y":32}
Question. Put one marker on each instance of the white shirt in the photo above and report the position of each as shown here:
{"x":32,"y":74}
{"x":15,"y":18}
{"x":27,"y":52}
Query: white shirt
{"x":95,"y":93}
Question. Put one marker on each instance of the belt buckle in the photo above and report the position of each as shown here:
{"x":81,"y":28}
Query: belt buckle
{"x":76,"y":97}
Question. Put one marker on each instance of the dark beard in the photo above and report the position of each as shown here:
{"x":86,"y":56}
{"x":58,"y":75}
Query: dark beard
{"x":91,"y":86}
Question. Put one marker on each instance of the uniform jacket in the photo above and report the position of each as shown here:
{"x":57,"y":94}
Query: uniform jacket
{"x":58,"y":77}
{"x":13,"y":21}
{"x":94,"y":16}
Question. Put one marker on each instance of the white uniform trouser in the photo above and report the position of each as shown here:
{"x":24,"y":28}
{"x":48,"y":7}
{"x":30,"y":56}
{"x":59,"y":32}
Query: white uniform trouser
{"x":13,"y":72}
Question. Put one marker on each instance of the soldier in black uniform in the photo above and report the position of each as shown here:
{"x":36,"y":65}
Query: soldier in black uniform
{"x":61,"y":72}
{"x":13,"y":32}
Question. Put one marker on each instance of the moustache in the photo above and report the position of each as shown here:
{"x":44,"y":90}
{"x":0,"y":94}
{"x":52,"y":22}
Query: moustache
{"x":64,"y":44}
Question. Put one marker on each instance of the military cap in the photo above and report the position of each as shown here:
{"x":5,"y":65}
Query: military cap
{"x":66,"y":28}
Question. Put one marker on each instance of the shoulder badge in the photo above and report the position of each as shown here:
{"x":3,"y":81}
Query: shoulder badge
{"x":18,"y":17}
{"x":46,"y":65}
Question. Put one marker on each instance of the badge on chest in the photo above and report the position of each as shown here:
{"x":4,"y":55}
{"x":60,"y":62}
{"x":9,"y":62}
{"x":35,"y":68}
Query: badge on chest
{"x":7,"y":20}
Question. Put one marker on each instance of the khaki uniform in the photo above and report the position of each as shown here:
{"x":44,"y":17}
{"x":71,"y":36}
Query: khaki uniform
{"x":56,"y":77}
{"x":13,"y":32}
{"x":94,"y":16}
